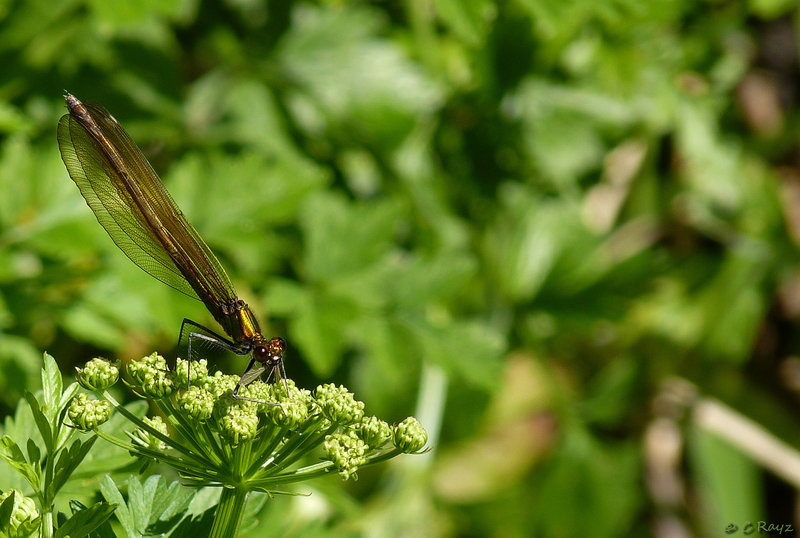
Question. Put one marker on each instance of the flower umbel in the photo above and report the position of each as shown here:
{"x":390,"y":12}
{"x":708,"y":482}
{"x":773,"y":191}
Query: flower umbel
{"x":193,"y":373}
{"x":146,"y":439}
{"x":338,"y":404}
{"x":374,"y":432}
{"x":410,"y":436}
{"x":151,"y":377}
{"x":87,"y":414}
{"x":259,"y":440}
{"x":346,"y":451}
{"x":236,"y":420}
{"x":24,"y":518}
{"x":197,"y":403}
{"x":97,"y":375}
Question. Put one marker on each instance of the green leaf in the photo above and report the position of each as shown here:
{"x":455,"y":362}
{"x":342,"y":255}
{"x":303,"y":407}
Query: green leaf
{"x":525,"y":242}
{"x":169,"y":504}
{"x":317,"y":330}
{"x":140,"y":500}
{"x":11,"y":453}
{"x":84,"y":520}
{"x":44,"y":425}
{"x":153,"y":508}
{"x":121,"y":16}
{"x":342,"y":237}
{"x":604,"y":476}
{"x":19,"y":359}
{"x":52,"y":387}
{"x":113,"y":496}
{"x":6,"y":510}
{"x":34,"y":454}
{"x":84,"y":322}
{"x":364,"y":87}
{"x":469,"y":19}
{"x":469,"y":350}
{"x":69,"y":460}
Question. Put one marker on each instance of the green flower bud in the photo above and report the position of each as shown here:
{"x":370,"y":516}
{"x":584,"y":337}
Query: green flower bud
{"x":410,"y":436}
{"x":236,"y":421}
{"x":220,"y":384}
{"x":293,"y":409}
{"x":151,"y":378}
{"x":373,"y":431}
{"x":86,"y":414}
{"x":97,"y":375}
{"x":146,"y":439}
{"x":338,"y":404}
{"x":261,"y":393}
{"x":346,"y":451}
{"x":24,"y":515}
{"x":197,"y":403}
{"x":195,"y":373}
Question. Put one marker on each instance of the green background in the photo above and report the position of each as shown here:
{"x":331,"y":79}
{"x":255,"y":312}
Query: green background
{"x":557,"y":232}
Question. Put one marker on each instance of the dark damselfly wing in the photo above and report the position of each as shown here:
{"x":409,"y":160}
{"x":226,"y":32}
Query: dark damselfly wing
{"x":127,"y":197}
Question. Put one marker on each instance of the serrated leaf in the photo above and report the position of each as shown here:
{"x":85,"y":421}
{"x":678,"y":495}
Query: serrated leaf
{"x":195,"y":525}
{"x":102,"y":531}
{"x":139,"y":498}
{"x":10,"y":451}
{"x":112,"y":494}
{"x":69,"y":460}
{"x":52,"y":386}
{"x":82,"y":522}
{"x":169,"y":506}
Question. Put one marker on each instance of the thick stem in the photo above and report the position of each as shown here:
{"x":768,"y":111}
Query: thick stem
{"x":46,"y":529}
{"x":229,"y":513}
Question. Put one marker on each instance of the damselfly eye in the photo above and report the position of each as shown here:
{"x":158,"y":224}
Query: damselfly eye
{"x":260,"y":353}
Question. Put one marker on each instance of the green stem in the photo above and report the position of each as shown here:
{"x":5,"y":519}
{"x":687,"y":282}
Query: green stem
{"x":149,"y":429}
{"x":291,"y":452}
{"x":179,"y":464}
{"x":320,"y":469}
{"x":377,"y":458}
{"x":193,"y":432}
{"x":46,"y":529}
{"x":241,"y":460}
{"x":229,"y":513}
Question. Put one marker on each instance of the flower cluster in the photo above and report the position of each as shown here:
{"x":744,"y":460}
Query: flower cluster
{"x":97,"y":375}
{"x":151,"y":378}
{"x":24,"y":518}
{"x":87,"y":414}
{"x":215,"y":432}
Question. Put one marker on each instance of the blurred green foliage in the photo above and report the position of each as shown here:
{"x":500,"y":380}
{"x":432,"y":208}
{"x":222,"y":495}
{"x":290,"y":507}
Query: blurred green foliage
{"x":520,"y":220}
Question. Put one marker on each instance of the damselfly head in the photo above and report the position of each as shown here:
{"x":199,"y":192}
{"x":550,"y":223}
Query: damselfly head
{"x":270,"y":352}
